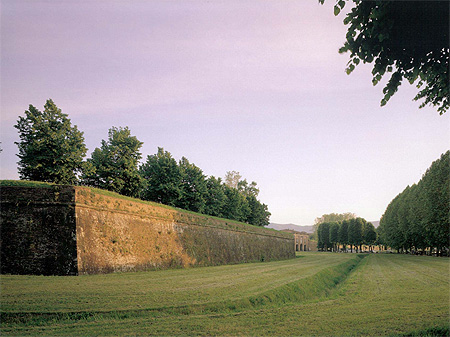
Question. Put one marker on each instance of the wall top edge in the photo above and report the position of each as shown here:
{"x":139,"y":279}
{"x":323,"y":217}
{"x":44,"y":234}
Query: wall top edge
{"x":20,"y":192}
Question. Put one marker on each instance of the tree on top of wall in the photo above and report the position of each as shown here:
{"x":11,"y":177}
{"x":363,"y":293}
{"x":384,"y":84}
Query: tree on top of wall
{"x":114,"y":166}
{"x":193,"y":187}
{"x":51,"y":149}
{"x":163,"y":178}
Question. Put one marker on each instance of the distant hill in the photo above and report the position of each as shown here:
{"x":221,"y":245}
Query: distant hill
{"x":307,"y":229}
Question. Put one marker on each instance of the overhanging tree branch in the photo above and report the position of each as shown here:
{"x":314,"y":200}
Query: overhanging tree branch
{"x":409,"y":39}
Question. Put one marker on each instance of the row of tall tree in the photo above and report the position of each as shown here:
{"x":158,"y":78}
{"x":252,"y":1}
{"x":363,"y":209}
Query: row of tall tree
{"x":418,"y":218}
{"x":51,"y":149}
{"x":331,"y":217}
{"x":354,"y":232}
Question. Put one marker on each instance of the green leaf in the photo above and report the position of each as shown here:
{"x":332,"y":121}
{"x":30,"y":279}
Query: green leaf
{"x":347,"y":19}
{"x":336,"y":10}
{"x":350,"y":69}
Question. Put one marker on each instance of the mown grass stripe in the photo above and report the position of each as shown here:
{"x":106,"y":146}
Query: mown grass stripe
{"x":309,"y":288}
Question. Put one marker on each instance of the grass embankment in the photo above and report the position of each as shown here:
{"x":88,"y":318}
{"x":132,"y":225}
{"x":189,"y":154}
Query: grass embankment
{"x":39,"y":300}
{"x":25,"y":183}
{"x":169,"y":289}
{"x":316,"y":294}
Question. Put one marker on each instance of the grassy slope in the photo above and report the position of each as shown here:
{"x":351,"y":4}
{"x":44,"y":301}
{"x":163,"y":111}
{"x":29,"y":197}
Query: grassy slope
{"x":151,"y":290}
{"x":25,"y":183}
{"x":386,"y":294}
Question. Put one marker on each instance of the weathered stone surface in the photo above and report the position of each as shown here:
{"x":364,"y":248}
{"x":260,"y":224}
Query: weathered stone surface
{"x":67,"y":230}
{"x":38,"y":231}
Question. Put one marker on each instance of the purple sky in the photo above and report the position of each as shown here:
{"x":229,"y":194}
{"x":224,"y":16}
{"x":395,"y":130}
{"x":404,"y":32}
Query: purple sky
{"x":252,"y":86}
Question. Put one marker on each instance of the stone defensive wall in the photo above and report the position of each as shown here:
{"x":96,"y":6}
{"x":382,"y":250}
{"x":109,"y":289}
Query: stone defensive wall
{"x":71,"y":230}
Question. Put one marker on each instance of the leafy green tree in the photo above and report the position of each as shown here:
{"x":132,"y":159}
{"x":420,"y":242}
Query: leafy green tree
{"x":163,"y":179}
{"x":114,"y":166}
{"x":247,"y":189}
{"x":361,"y":224}
{"x":236,"y":206}
{"x":215,"y":197}
{"x":389,"y":222}
{"x":323,"y":235}
{"x":245,"y":207}
{"x":370,"y":235}
{"x":381,"y":237}
{"x":355,"y":227}
{"x":436,"y":182}
{"x":334,"y":235}
{"x":408,"y":39}
{"x":258,"y":212}
{"x":403,"y":216}
{"x":343,"y":234}
{"x":332,"y":217}
{"x":193,"y":187}
{"x":184,"y":185}
{"x":416,"y":218}
{"x":50,"y":148}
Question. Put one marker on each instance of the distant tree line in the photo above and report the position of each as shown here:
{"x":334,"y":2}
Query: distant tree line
{"x":332,"y":217}
{"x":417,"y":220}
{"x":353,"y":232}
{"x":51,"y":149}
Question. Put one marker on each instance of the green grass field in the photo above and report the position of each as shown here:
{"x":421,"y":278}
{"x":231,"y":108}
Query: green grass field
{"x":315,"y":294}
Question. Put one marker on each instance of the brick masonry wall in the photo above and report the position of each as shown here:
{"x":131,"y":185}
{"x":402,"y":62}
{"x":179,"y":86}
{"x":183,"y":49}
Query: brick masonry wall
{"x":38,"y":230}
{"x":120,"y":234}
{"x":66,"y":230}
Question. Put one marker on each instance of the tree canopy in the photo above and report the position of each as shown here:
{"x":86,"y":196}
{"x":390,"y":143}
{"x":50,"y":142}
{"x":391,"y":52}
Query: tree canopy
{"x":369,"y":234}
{"x":184,"y":185}
{"x":114,"y":166}
{"x":332,"y":217}
{"x":408,"y":39}
{"x":163,"y":178}
{"x":353,"y":231}
{"x":215,"y":197}
{"x":418,"y":217}
{"x":50,"y":148}
{"x":232,"y":179}
{"x":193,"y":187}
